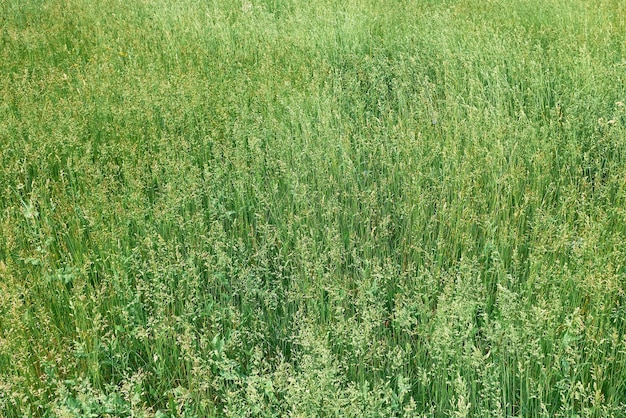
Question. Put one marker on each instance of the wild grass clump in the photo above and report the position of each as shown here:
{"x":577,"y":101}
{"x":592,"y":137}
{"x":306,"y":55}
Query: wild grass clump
{"x":277,"y":208}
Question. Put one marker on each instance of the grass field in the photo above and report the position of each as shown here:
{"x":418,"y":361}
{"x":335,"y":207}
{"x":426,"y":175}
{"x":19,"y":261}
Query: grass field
{"x":357,"y":208}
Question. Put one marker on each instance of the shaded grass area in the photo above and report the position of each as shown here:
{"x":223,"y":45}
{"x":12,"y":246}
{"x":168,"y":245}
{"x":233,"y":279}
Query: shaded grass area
{"x":269,"y":208}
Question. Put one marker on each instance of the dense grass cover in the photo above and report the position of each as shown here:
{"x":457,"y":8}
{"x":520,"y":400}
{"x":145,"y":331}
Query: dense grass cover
{"x":312,"y":208}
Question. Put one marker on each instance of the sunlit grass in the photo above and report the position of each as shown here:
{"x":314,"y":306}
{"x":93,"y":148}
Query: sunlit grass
{"x":282,"y":208}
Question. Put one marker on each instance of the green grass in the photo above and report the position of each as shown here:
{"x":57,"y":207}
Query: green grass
{"x":326,"y":208}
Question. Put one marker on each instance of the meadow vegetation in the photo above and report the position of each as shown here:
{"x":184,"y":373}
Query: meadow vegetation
{"x":312,"y":208}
